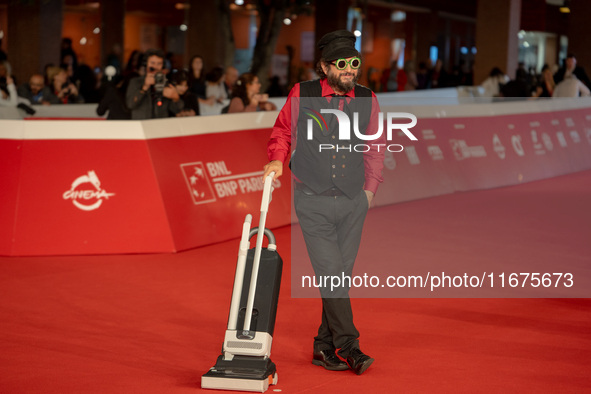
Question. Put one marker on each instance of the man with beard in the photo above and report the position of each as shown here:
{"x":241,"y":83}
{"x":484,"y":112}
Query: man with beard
{"x":332,"y":187}
{"x":143,"y":100}
{"x":35,"y":90}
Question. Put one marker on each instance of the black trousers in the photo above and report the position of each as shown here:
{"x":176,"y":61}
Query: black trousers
{"x":332,"y":229}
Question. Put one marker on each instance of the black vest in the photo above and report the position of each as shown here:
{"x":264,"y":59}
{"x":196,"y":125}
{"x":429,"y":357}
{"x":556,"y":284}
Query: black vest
{"x":343,"y":168}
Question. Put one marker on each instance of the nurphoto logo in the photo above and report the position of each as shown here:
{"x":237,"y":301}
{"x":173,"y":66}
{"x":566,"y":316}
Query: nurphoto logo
{"x":345,"y":129}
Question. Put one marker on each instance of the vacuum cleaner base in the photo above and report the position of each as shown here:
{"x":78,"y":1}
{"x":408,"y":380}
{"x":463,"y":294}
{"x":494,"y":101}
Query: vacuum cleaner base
{"x":241,"y":373}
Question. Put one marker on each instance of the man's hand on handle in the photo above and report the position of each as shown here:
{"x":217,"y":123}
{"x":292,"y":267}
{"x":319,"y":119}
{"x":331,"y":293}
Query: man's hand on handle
{"x":274,"y":165}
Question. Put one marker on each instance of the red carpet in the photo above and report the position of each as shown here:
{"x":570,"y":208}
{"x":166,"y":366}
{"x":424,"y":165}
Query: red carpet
{"x":155,"y":323}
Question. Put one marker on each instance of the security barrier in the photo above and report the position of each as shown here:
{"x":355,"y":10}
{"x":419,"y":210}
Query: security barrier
{"x":160,"y":186}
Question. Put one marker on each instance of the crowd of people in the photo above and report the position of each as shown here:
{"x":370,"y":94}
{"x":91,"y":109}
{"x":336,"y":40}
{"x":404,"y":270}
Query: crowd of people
{"x":569,"y":81}
{"x":149,"y":87}
{"x":427,"y":76}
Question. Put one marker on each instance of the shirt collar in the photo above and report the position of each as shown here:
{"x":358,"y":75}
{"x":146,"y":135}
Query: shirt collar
{"x":328,"y":91}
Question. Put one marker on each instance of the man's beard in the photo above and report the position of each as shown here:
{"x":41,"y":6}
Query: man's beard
{"x":335,"y":82}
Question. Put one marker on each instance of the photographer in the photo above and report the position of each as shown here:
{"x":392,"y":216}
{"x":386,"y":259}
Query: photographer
{"x":62,"y":91}
{"x":151,"y":96}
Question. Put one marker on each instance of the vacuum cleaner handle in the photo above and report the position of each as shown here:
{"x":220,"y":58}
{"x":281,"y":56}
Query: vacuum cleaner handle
{"x":239,"y":277}
{"x":267,"y":192}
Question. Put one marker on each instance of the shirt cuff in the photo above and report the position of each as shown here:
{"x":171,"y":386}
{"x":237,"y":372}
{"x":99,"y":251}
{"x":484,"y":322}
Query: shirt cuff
{"x":277,"y":156}
{"x":371,"y":185}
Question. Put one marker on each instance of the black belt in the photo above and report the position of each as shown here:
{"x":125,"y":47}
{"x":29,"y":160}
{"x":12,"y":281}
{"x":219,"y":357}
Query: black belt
{"x":332,"y":192}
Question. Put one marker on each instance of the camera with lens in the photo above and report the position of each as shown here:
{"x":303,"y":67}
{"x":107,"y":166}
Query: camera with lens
{"x":65,"y":85}
{"x":159,"y":83}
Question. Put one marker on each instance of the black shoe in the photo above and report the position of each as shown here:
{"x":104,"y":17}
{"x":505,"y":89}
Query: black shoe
{"x":329,"y":360}
{"x":358,"y":361}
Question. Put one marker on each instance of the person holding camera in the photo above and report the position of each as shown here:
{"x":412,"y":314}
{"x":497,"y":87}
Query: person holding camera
{"x":151,"y":96}
{"x":62,"y":91}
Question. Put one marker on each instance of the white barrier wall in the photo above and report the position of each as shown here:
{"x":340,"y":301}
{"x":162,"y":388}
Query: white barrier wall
{"x":88,"y":187}
{"x":72,"y":111}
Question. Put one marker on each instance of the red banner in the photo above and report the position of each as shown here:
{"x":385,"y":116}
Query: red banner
{"x":460,"y":154}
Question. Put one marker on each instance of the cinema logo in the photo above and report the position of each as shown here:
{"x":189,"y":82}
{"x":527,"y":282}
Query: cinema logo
{"x":87,"y":197}
{"x":345,"y":130}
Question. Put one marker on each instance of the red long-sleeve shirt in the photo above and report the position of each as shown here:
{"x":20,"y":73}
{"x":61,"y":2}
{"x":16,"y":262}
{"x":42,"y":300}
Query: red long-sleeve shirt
{"x":281,"y":140}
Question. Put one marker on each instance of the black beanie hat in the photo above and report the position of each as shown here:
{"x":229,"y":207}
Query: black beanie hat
{"x":338,"y":44}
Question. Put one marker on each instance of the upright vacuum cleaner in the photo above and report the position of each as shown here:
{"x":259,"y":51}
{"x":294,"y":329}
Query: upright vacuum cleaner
{"x":244,"y":363}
